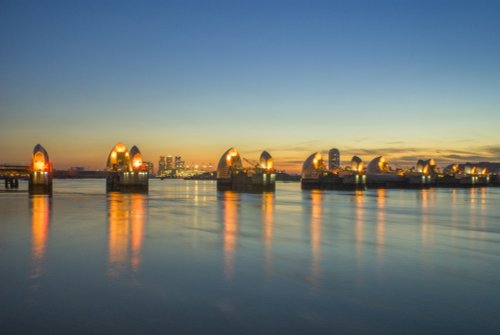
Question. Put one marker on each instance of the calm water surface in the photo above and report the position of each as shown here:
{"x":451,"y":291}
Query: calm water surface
{"x":187,"y":259}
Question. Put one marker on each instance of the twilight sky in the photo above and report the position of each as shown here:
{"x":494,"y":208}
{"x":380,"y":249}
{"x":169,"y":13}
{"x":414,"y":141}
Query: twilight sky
{"x":405,"y":79}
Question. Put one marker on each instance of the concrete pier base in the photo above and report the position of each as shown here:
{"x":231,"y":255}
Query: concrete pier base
{"x":419,"y":181}
{"x":335,"y":182}
{"x":127,"y":182}
{"x":11,"y":183}
{"x":353,"y":182}
{"x":463,"y":181}
{"x":242,"y":182}
{"x":40,"y":183}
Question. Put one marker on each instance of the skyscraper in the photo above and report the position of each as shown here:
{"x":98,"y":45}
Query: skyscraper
{"x":161,"y":165}
{"x":170,"y":163}
{"x":179,"y":163}
{"x":333,"y":159}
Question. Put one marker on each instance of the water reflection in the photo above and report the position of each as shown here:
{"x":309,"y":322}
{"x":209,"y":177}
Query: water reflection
{"x":477,"y":213}
{"x":484,"y":211}
{"x":381,"y":198}
{"x":316,"y":228}
{"x":325,"y":270}
{"x":359,"y":223}
{"x":268,"y":219}
{"x":230,"y":204}
{"x":126,"y":221}
{"x":427,"y":229}
{"x":454,"y":210}
{"x":40,"y":222}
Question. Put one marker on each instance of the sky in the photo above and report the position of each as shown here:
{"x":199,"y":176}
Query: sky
{"x":403,"y":79}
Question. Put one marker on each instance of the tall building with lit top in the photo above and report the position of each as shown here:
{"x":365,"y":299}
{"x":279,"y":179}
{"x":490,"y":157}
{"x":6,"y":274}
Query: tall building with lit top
{"x":179,"y":163}
{"x":333,"y":159}
{"x":161,"y":165}
{"x":170,"y":163}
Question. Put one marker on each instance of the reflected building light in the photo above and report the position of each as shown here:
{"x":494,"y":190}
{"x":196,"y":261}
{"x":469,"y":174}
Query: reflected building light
{"x":268,"y":212}
{"x":358,"y":233}
{"x":473,"y":215}
{"x":316,"y":230}
{"x":230,"y":213}
{"x":126,"y":220}
{"x":482,"y":198}
{"x":381,"y":199}
{"x":472,"y":198}
{"x":454,"y":216}
{"x":119,"y":231}
{"x":196,"y":193}
{"x":484,"y":213}
{"x":40,"y":221}
{"x":427,"y":229}
{"x":138,"y":218}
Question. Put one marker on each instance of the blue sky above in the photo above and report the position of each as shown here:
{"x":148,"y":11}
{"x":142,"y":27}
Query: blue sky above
{"x":196,"y":77}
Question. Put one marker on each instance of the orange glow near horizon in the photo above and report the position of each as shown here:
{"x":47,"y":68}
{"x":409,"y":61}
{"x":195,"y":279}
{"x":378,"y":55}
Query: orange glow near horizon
{"x":94,"y":156}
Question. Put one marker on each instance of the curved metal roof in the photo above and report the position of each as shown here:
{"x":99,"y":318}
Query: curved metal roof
{"x":357,"y":164}
{"x":119,"y":159}
{"x":40,"y":159}
{"x":377,"y":165}
{"x":266,"y":161}
{"x":229,"y":161}
{"x":135,"y":157}
{"x":313,"y":166}
{"x":39,"y":148}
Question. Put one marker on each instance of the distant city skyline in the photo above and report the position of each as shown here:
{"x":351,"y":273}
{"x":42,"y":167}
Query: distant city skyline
{"x":405,"y":79}
{"x":397,"y":157}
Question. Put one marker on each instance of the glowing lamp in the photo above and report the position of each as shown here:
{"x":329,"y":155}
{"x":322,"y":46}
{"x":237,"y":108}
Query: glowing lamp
{"x":39,"y":166}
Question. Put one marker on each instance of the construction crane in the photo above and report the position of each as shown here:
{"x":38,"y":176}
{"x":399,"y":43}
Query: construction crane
{"x":252,"y":163}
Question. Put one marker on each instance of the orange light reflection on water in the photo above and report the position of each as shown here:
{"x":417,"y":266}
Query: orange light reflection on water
{"x":381,"y":203}
{"x":268,"y":212}
{"x":358,"y":232}
{"x":40,"y":221}
{"x":316,"y":229}
{"x":138,"y":215}
{"x":426,"y":227}
{"x":230,"y":215}
{"x":126,"y":220}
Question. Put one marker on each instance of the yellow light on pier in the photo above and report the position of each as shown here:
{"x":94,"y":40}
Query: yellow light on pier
{"x":266,"y":161}
{"x":40,"y":160}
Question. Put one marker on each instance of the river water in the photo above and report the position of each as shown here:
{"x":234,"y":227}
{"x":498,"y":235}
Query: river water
{"x":188,"y":259}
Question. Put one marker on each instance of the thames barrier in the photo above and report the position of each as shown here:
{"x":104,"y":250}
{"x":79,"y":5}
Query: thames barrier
{"x":231,"y":175}
{"x":379,"y":174}
{"x":40,"y":180}
{"x":127,"y":172}
{"x":38,"y":173}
